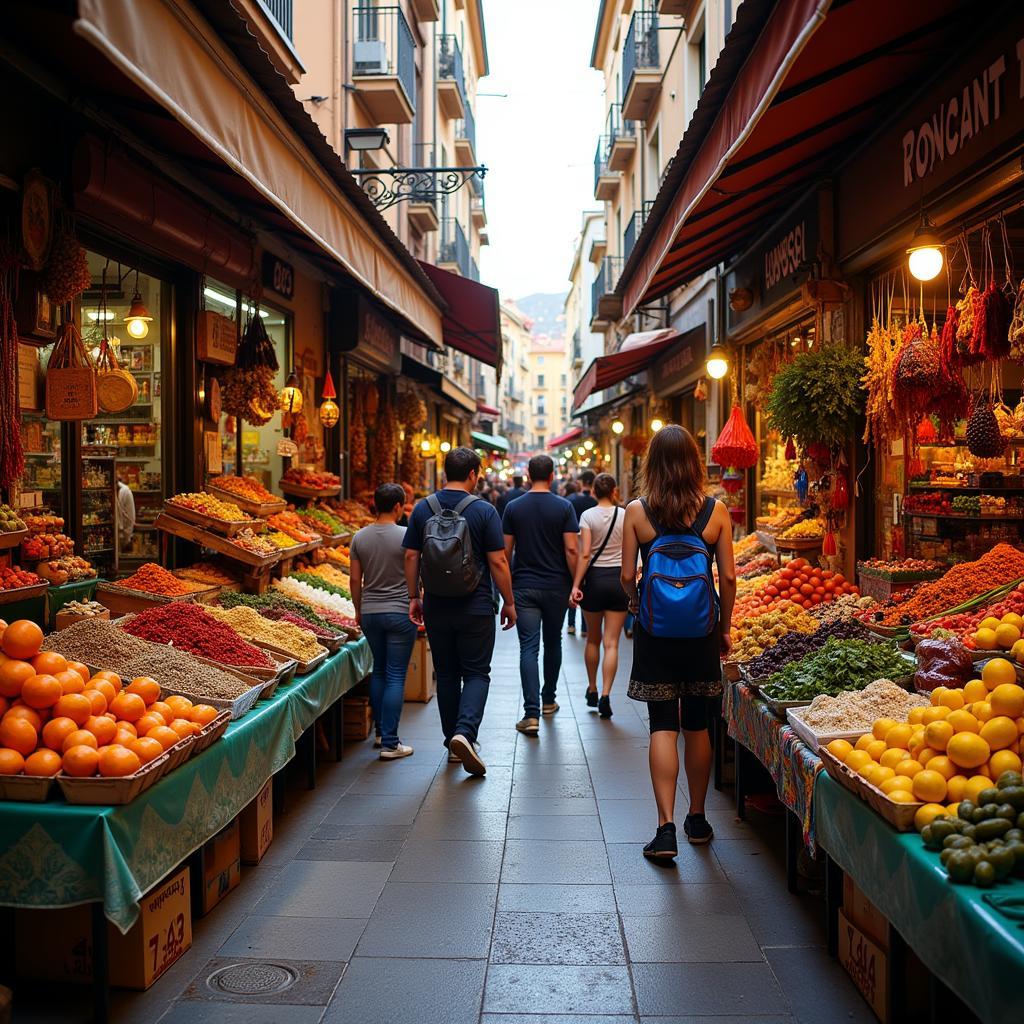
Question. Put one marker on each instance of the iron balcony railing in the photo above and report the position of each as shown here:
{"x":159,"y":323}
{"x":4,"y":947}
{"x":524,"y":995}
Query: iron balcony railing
{"x":465,"y":128}
{"x":449,"y":62}
{"x":615,"y":127}
{"x":424,"y":188}
{"x":577,"y":347}
{"x":516,"y":394}
{"x":382,"y":44}
{"x":605,"y":282}
{"x":634,"y":227}
{"x":454,"y":247}
{"x":601,"y":160}
{"x":641,"y":49}
{"x":281,"y":10}
{"x":513,"y":427}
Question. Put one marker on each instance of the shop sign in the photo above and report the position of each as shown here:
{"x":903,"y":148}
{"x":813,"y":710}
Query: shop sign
{"x":378,"y":341}
{"x":216,"y":338}
{"x":682,"y":362}
{"x":278,"y":276}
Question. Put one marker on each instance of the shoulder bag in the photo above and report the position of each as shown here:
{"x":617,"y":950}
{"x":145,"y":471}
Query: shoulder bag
{"x":600,"y":551}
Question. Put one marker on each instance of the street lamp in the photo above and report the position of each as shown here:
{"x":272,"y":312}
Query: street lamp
{"x":656,"y":425}
{"x":717,"y":362}
{"x":618,"y":427}
{"x":925,"y":251}
{"x":363,"y":139}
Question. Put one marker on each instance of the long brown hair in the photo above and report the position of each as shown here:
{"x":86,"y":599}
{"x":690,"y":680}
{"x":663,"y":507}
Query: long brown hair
{"x":673,"y":478}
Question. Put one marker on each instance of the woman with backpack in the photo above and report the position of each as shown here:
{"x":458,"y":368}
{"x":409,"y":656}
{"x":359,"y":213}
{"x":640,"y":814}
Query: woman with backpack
{"x":598,"y":591}
{"x":682,"y":628}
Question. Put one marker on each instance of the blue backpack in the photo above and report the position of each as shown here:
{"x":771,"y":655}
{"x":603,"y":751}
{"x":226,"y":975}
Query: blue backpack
{"x":677,"y":591}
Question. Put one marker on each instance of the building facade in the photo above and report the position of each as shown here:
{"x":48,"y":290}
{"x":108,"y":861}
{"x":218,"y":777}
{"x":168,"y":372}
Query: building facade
{"x":549,"y":389}
{"x":514,"y":391}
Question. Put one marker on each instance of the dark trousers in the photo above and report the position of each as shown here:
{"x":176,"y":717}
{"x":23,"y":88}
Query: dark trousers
{"x":539,"y":613}
{"x":461,"y":646}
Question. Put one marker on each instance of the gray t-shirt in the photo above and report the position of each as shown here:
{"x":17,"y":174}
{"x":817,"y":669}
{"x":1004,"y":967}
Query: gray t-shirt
{"x":382,"y":557}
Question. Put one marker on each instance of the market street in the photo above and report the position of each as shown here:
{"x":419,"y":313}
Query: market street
{"x":410,"y":891}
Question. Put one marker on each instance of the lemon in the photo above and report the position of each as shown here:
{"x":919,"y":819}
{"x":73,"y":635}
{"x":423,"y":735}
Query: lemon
{"x":927,"y":814}
{"x":883,"y":774}
{"x":975,"y":784}
{"x":1014,"y":620}
{"x":938,"y":734}
{"x":893,"y":756}
{"x":1001,"y":761}
{"x":982,"y":710}
{"x":997,"y":672}
{"x":967,"y":750}
{"x":925,"y":754}
{"x":963,"y":721}
{"x":1007,"y":635}
{"x":875,"y":749}
{"x":839,"y":748}
{"x":985,"y":640}
{"x":975,"y":690}
{"x":1008,"y":699}
{"x":999,"y":732}
{"x":955,"y":787}
{"x":934,"y":714}
{"x":1017,"y":651}
{"x":899,"y":736}
{"x":867,"y":771}
{"x":915,"y":715}
{"x":952,"y":699}
{"x":941,"y":764}
{"x":902,"y":796}
{"x":936,"y":694}
{"x":953,"y":810}
{"x":856,"y":759}
{"x":991,"y":622}
{"x":867,"y":738}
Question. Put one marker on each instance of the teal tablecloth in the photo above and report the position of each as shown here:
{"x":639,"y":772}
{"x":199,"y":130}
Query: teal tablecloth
{"x":57,"y":855}
{"x":972,"y":948}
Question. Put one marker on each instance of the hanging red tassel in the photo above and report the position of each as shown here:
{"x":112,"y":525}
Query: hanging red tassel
{"x":828,"y":544}
{"x":735,"y":445}
{"x":790,"y":450}
{"x":926,"y":432}
{"x":329,"y":391}
{"x":840,"y":492}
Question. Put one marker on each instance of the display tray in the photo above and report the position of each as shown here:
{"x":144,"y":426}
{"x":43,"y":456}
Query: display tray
{"x":179,"y":753}
{"x":238,"y":707}
{"x":732,"y":671}
{"x":799,"y":543}
{"x":122,"y":600}
{"x":12,"y":540}
{"x":23,"y":593}
{"x":335,"y":540}
{"x":901,"y":576}
{"x":298,"y":491}
{"x":210,"y":733}
{"x":261,"y":509}
{"x":227,"y":527}
{"x":25,"y":788}
{"x":64,"y":619}
{"x":98,"y":790}
{"x":301,"y":667}
{"x":813,"y":739}
{"x":779,"y":708}
{"x":214,"y":541}
{"x":900,"y":816}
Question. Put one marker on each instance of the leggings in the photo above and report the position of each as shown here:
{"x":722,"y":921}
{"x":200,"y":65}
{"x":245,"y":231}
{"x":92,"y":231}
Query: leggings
{"x":665,"y":714}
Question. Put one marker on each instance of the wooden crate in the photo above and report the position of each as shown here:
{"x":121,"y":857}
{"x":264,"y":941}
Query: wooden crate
{"x":358,"y":718}
{"x":229,"y":527}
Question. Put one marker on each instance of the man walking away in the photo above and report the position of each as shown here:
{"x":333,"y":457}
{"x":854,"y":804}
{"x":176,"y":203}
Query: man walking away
{"x":581,"y":500}
{"x":515,"y":491}
{"x":382,"y":610}
{"x":454,"y":542}
{"x":541,"y":529}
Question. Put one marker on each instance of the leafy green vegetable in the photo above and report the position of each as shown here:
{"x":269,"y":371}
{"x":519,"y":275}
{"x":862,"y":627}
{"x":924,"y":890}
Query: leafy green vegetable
{"x":839,"y":665}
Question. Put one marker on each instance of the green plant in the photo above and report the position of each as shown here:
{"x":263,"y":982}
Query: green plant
{"x":818,"y":396}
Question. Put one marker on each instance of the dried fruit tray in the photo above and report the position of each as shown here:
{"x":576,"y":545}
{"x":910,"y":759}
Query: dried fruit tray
{"x":813,"y":739}
{"x":262,"y":509}
{"x":98,"y":790}
{"x":26,"y":788}
{"x":12,"y":540}
{"x":23,"y":593}
{"x":900,"y":816}
{"x":216,"y":542}
{"x":228,"y":527}
{"x":299,"y":491}
{"x":301,"y":667}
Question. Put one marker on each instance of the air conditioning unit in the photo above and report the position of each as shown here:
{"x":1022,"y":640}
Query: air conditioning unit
{"x":370,"y":57}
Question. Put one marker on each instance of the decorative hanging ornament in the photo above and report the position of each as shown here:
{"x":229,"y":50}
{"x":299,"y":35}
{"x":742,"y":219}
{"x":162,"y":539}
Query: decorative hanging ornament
{"x":329,"y":411}
{"x":735,"y":446}
{"x":840,"y":491}
{"x":732,"y":480}
{"x":828,"y":544}
{"x":790,"y":449}
{"x":801,"y":484}
{"x":291,"y":394}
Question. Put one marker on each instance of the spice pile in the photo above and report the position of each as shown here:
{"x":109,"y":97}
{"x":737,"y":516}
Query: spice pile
{"x":280,"y":540}
{"x":806,"y":529}
{"x":858,"y":709}
{"x":300,"y":590}
{"x":208,"y":505}
{"x":87,"y":609}
{"x":248,"y":623}
{"x":247,"y":487}
{"x":320,"y":521}
{"x":307,"y":478}
{"x":839,"y":665}
{"x":47,"y":545}
{"x":251,"y":542}
{"x":845,"y":606}
{"x":271,"y":604}
{"x":755,"y":635}
{"x":208,"y":574}
{"x":155,"y":579}
{"x":291,"y":524}
{"x":327,"y":575}
{"x":191,"y":628}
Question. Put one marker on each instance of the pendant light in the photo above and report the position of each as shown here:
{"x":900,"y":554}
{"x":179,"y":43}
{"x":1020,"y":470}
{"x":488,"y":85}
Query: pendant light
{"x":329,"y":411}
{"x":925,"y":251}
{"x":717,"y":362}
{"x":138,"y":318}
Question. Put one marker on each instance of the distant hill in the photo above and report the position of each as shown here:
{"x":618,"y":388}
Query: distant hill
{"x":545,"y":309}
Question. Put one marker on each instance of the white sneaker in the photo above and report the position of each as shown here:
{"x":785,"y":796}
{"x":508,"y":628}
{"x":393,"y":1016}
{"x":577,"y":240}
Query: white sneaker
{"x":466,"y":753}
{"x":454,"y":758}
{"x":393,"y":753}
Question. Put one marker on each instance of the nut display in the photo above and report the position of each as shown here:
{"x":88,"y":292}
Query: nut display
{"x":248,"y":623}
{"x":208,"y":505}
{"x":254,"y":543}
{"x":9,"y":520}
{"x":247,"y":487}
{"x":68,"y":569}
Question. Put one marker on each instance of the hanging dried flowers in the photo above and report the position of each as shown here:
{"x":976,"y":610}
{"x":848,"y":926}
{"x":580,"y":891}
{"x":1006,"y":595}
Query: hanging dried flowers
{"x":385,"y":440}
{"x":66,"y":274}
{"x":358,"y":458}
{"x":412,"y":463}
{"x":248,"y":391}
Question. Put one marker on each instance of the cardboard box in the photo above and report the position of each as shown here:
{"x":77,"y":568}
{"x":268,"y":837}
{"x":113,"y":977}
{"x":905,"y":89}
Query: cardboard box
{"x":256,"y":825}
{"x":218,"y":865}
{"x":867,"y":965}
{"x":861,"y":912}
{"x":420,"y":680}
{"x":358,"y":718}
{"x":56,"y":945}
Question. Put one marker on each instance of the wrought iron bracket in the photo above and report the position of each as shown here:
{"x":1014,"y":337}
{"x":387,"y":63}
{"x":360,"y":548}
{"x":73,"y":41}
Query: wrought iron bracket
{"x":388,"y":186}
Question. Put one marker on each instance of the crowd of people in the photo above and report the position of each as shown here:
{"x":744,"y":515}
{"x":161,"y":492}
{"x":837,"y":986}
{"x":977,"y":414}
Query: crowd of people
{"x":474,"y":550}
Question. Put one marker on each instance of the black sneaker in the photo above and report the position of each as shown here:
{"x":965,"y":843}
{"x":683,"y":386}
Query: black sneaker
{"x":697,"y":829}
{"x":663,"y":846}
{"x":604,"y":707}
{"x":591,"y":698}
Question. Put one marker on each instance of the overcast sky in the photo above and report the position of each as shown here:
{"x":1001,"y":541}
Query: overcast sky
{"x":538,"y":143}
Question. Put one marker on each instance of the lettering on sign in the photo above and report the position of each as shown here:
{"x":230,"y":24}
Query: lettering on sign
{"x":278,"y":276}
{"x":958,"y":119}
{"x":784,"y":258}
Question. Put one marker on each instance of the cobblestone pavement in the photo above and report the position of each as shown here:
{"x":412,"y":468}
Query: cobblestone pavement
{"x":411,"y":892}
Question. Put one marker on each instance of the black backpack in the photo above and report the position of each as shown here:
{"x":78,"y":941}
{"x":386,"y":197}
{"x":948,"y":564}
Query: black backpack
{"x":448,"y":564}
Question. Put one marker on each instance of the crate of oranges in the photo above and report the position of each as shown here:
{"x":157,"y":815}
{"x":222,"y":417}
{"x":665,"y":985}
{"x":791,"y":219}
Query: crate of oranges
{"x":916,"y":770}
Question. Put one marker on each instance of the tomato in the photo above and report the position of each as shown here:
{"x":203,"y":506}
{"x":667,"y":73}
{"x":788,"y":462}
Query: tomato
{"x":806,"y":589}
{"x":772,"y":590}
{"x":816,"y":598}
{"x":827,"y":574}
{"x":787,"y":573}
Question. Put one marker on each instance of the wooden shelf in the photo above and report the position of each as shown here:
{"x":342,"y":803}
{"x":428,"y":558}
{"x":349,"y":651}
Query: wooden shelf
{"x":214,"y":541}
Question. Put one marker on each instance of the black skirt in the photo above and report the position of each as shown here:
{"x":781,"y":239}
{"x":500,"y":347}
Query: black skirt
{"x":668,"y":668}
{"x":602,"y":591}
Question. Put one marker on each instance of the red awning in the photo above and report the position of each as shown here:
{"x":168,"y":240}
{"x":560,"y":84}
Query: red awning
{"x":569,"y":435}
{"x":634,"y":355}
{"x":796,"y":86}
{"x":472,"y":322}
{"x":487,"y":410}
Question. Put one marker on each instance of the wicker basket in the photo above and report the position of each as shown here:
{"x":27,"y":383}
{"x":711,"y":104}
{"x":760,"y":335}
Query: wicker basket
{"x":98,"y":790}
{"x":116,"y":389}
{"x":900,"y":816}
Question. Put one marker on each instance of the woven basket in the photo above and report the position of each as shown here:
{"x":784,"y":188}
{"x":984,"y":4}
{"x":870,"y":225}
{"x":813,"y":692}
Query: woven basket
{"x":71,"y":391}
{"x":116,"y":389}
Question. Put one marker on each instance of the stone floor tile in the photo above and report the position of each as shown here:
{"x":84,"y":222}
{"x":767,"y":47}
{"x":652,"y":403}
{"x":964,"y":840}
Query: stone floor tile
{"x":460,"y":825}
{"x":584,"y":939}
{"x":449,"y":860}
{"x":310,"y":888}
{"x":520,"y":988}
{"x":294,"y":938}
{"x":349,"y":849}
{"x":374,"y":809}
{"x":540,"y":860}
{"x":742,"y":989}
{"x":755,"y":1019}
{"x":552,"y":805}
{"x":804,"y":974}
{"x":555,"y":1018}
{"x":694,"y":864}
{"x":539,"y":897}
{"x":694,"y":898}
{"x":690,"y":938}
{"x":361,"y":830}
{"x":192,"y":1012}
{"x":571,"y":828}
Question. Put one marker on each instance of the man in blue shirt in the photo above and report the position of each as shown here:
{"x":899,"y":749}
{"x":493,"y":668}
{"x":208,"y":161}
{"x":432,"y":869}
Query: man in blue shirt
{"x":542,"y":531}
{"x":461,"y":629}
{"x":515,"y":491}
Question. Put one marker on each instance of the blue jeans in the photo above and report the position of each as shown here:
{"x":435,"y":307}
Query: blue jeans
{"x":539,"y":613}
{"x":391,"y":636}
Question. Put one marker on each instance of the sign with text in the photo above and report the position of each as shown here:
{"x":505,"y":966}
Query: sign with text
{"x":278,"y":276}
{"x":682,"y":364}
{"x":378,"y":343}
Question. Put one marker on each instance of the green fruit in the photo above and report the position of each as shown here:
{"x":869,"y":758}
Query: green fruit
{"x":1007,"y":811}
{"x":1003,"y":860}
{"x":966,"y":810}
{"x":939,"y":829}
{"x":989,"y":796}
{"x":1020,"y":820}
{"x":945,"y":855}
{"x":984,"y":874}
{"x":959,"y":866}
{"x":968,"y":830}
{"x":1012,"y":795}
{"x":928,"y":838}
{"x":991,"y":828}
{"x":985,"y":812}
{"x":1009,"y":779}
{"x":957,"y":843}
{"x":1013,"y":835}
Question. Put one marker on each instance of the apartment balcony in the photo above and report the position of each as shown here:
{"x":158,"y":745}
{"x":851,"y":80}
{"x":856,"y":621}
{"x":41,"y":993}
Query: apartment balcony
{"x":477,"y":209}
{"x":281,"y":11}
{"x":383,"y":64}
{"x":634,"y":226}
{"x":426,"y":10}
{"x":454,"y":251}
{"x":515,"y":394}
{"x":422,"y":211}
{"x":641,"y":66}
{"x":605,"y":306}
{"x":451,"y":81}
{"x":577,"y":349}
{"x":606,"y":181}
{"x":465,"y":139}
{"x":598,"y":249}
{"x":621,"y":139}
{"x":675,"y":8}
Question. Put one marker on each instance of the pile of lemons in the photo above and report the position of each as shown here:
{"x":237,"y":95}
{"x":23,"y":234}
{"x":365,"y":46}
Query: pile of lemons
{"x":1002,"y":634}
{"x":947,"y":752}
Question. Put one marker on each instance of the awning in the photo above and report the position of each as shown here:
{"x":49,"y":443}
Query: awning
{"x":487,"y":410}
{"x":634,"y":355}
{"x":493,"y":441}
{"x":164,"y":49}
{"x":569,"y":435}
{"x":472,"y":323}
{"x":796,"y":85}
{"x":456,"y":395}
{"x":603,"y":408}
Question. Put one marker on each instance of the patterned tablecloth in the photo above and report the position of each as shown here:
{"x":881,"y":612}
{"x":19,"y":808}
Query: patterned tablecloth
{"x":58,"y":855}
{"x":773,"y":742}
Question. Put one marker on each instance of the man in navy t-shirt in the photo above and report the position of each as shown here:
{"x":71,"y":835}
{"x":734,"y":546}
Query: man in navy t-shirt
{"x":461,"y":629}
{"x":542,"y":532}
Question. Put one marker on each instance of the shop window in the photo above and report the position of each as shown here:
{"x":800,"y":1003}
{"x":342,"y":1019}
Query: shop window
{"x":41,"y":437}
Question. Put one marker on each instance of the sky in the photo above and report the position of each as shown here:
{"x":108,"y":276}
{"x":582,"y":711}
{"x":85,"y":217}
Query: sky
{"x":538,"y":141}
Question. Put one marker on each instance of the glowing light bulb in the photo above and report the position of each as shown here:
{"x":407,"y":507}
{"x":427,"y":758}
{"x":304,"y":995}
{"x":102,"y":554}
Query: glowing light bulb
{"x":618,"y":427}
{"x":657,"y":424}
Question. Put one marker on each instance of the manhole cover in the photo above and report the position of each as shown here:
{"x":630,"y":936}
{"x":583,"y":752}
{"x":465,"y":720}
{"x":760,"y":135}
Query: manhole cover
{"x":252,"y":979}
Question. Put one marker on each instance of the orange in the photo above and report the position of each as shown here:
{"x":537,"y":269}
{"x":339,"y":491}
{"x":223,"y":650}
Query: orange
{"x":11,"y":762}
{"x":863,"y":741}
{"x":101,"y":727}
{"x":898,"y":736}
{"x":167,"y":737}
{"x":147,"y":748}
{"x":41,"y":691}
{"x":148,"y":721}
{"x":925,"y":754}
{"x":883,"y":775}
{"x":936,"y":695}
{"x":99,"y":702}
{"x":70,"y":682}
{"x":982,"y":710}
{"x":938,"y":734}
{"x":81,"y":761}
{"x":43,"y":762}
{"x":1008,"y":699}
{"x":1004,"y":761}
{"x":998,"y":671}
{"x":112,"y":677}
{"x":926,"y":814}
{"x":975,"y":690}
{"x":935,"y":714}
{"x":22,"y":639}
{"x":181,"y":706}
{"x":125,"y":734}
{"x":204,"y":714}
{"x":881,"y":727}
{"x":18,"y":734}
{"x":999,"y":732}
{"x":116,"y":761}
{"x":963,"y":721}
{"x":875,"y":749}
{"x":49,"y":663}
{"x":902,"y":796}
{"x":13,"y":675}
{"x":162,"y":708}
{"x":967,"y":750}
{"x":952,"y":699}
{"x":82,"y":670}
{"x":914,"y":715}
{"x":75,"y":706}
{"x":929,"y":786}
{"x":892,"y":757}
{"x":909,"y":767}
{"x":148,"y":689}
{"x":128,"y":706}
{"x":79,"y":738}
{"x":956,"y":787}
{"x":104,"y":686}
{"x":28,"y":714}
{"x":56,"y":731}
{"x":183,"y":727}
{"x":941,"y":764}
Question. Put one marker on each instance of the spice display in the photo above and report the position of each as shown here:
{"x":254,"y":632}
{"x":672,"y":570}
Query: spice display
{"x":806,"y":529}
{"x":252,"y":542}
{"x":318,"y":581}
{"x":275,"y":601}
{"x":189,"y":627}
{"x":248,"y":390}
{"x":859,"y":709}
{"x":310,"y":479}
{"x":329,"y":573}
{"x":180,"y":671}
{"x":96,"y":642}
{"x":839,"y":665}
{"x":210,"y":506}
{"x":794,"y":646}
{"x":249,"y":624}
{"x":154,"y":579}
{"x":758,"y":566}
{"x":752,"y":636}
{"x":87,"y":609}
{"x":207,"y":573}
{"x":299,"y":590}
{"x":353,"y":512}
{"x":291,"y":524}
{"x":68,"y":569}
{"x":901,"y":570}
{"x":247,"y":487}
{"x":279,"y":539}
{"x":38,"y":546}
{"x":798,"y":581}
{"x":302,"y":621}
{"x":320,"y":520}
{"x":747,"y":547}
{"x":12,"y":578}
{"x":845,"y":606}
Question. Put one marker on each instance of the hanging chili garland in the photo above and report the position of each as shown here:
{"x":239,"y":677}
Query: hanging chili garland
{"x":12,"y":455}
